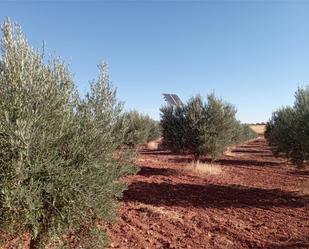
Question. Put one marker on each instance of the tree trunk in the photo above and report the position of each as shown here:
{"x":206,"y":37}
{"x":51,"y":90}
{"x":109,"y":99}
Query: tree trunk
{"x":34,"y":244}
{"x":196,"y":160}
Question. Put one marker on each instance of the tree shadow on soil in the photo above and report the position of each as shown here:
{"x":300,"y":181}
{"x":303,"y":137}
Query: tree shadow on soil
{"x":149,"y":171}
{"x":210,"y":196}
{"x":300,"y":172}
{"x":270,"y":155}
{"x":157,"y":152}
{"x":232,"y":162}
{"x":300,"y":244}
{"x":251,"y":151}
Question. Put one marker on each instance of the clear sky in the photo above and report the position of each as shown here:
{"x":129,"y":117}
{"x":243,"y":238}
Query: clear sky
{"x":252,"y":54}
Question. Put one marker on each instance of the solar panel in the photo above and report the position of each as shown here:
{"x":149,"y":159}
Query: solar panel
{"x":168,"y":98}
{"x":172,"y":99}
{"x":177,"y":99}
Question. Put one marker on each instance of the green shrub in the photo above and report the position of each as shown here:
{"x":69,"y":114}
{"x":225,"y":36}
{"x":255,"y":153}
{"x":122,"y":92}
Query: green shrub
{"x":279,"y":130}
{"x":202,"y":128}
{"x":288,"y":129}
{"x":141,"y":129}
{"x":58,"y":169}
{"x":155,"y":130}
{"x":247,"y":133}
{"x":219,"y":125}
{"x":242,"y":133}
{"x":174,"y":128}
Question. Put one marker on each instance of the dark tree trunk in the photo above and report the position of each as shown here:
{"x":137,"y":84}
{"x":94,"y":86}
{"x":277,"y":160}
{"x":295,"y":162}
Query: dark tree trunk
{"x":34,"y":244}
{"x":196,"y":160}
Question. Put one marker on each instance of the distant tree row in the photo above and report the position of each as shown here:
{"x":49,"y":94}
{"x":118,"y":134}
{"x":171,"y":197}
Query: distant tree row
{"x":261,"y":123}
{"x":140,"y":129}
{"x":202,"y":128}
{"x":288,"y":129}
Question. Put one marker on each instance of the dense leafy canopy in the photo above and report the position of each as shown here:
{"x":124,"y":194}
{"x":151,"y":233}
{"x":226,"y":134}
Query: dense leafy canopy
{"x":202,"y":128}
{"x":58,"y":169}
{"x":288,"y":129}
{"x":141,"y":129}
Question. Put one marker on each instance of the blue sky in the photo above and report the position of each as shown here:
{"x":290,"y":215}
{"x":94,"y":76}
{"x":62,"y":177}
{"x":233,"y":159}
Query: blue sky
{"x":252,"y":54}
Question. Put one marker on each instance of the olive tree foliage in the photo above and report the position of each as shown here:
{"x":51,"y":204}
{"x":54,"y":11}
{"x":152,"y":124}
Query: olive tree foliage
{"x":174,"y":128}
{"x":217,"y":129}
{"x":288,"y":129}
{"x":141,"y":129}
{"x":202,"y":128}
{"x":58,"y":170}
{"x":241,"y":133}
{"x":155,"y":130}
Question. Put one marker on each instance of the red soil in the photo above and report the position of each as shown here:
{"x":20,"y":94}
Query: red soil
{"x":258,"y":201}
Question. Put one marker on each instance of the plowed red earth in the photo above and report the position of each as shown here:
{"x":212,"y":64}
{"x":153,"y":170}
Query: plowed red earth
{"x":257,"y":201}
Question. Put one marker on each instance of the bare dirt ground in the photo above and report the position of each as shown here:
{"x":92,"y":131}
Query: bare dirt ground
{"x":257,"y":201}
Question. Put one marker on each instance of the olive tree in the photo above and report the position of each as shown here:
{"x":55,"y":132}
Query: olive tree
{"x":174,"y":128}
{"x":288,"y":129}
{"x":140,"y":129}
{"x":59,"y":174}
{"x":202,"y":128}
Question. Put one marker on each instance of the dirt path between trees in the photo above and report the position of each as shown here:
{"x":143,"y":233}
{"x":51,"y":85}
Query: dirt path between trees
{"x":257,"y":201}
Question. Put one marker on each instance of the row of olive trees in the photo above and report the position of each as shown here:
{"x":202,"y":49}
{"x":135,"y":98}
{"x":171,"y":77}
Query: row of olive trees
{"x":202,"y":128}
{"x":59,"y":173}
{"x":140,"y":129}
{"x":288,"y":129}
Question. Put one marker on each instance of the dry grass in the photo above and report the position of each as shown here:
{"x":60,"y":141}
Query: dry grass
{"x":154,"y":145}
{"x":229,"y":152}
{"x":202,"y":169}
{"x":160,"y":211}
{"x":259,"y":129}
